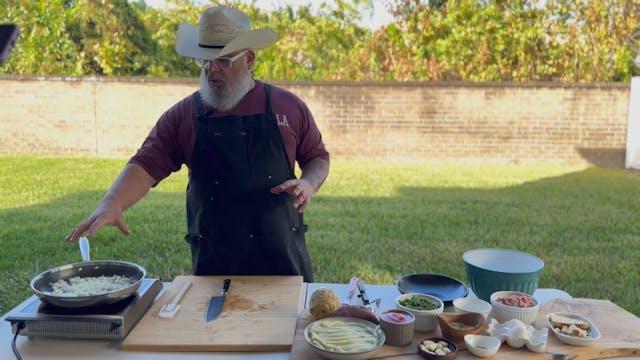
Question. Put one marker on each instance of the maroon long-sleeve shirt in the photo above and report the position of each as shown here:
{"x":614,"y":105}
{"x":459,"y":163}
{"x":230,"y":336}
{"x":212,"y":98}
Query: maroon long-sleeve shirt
{"x":170,"y":142}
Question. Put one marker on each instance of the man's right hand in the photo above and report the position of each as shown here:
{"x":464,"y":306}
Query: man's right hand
{"x":105,"y":214}
{"x":130,"y":186}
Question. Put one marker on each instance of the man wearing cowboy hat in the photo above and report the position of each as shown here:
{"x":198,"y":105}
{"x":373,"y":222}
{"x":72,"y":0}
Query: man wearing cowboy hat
{"x":240,"y":139}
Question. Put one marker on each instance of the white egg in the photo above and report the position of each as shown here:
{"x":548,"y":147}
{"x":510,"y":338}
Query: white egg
{"x":517,"y":336}
{"x":518,"y":332}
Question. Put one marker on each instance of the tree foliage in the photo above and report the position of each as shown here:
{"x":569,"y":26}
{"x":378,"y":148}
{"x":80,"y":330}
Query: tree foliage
{"x":162,"y":24}
{"x":468,"y":40}
{"x":312,"y":47}
{"x":44,"y":46}
{"x":110,"y":37}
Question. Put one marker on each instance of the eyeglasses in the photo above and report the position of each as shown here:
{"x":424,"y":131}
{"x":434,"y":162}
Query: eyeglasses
{"x":222,"y":63}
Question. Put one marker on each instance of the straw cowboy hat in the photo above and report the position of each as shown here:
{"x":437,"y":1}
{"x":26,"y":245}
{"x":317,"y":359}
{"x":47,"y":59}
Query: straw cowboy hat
{"x":221,"y":31}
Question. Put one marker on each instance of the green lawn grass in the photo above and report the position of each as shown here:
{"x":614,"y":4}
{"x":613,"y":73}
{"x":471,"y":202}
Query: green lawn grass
{"x":372,"y":219}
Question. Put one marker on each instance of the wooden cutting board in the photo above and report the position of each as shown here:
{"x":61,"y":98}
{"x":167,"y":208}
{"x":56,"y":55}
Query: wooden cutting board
{"x":259,"y":314}
{"x":620,"y":332}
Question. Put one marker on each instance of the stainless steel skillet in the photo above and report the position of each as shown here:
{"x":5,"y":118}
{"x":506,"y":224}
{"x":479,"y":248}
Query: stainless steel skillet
{"x":41,"y":284}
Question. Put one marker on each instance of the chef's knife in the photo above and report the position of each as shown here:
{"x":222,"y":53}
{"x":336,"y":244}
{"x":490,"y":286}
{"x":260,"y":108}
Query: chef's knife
{"x":216,"y":302}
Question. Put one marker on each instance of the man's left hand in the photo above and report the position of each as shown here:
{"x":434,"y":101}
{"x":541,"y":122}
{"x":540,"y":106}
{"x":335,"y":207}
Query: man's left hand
{"x":301,"y":190}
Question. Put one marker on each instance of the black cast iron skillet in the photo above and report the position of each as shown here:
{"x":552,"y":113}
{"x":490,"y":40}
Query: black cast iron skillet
{"x":41,"y":283}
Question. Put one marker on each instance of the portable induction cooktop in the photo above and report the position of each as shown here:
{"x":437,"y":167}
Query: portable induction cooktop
{"x":114,"y":321}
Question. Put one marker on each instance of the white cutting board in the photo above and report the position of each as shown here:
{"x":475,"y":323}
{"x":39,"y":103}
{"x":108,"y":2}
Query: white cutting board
{"x":259,"y":314}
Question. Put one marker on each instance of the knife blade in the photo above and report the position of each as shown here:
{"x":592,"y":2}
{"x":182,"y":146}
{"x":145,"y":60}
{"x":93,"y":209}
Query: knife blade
{"x":216,"y":302}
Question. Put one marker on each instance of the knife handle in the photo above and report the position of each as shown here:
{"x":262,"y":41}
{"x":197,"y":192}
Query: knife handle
{"x":225,"y":286}
{"x":363,"y":292}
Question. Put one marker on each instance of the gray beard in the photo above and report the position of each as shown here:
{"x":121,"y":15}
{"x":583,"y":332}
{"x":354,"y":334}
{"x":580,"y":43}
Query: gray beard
{"x":226,"y":97}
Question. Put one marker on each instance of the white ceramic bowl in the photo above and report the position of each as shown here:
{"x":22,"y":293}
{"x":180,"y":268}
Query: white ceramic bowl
{"x":471,"y":305}
{"x":426,"y":320}
{"x":504,"y":313}
{"x":334,"y":323}
{"x":482,"y":345}
{"x":574,"y":340}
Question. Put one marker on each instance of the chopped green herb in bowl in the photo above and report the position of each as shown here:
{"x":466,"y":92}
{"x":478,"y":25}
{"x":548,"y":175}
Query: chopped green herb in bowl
{"x":419,"y":303}
{"x":424,"y":307}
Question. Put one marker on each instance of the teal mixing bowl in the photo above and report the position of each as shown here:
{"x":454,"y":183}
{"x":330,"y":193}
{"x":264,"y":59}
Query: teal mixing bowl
{"x":491,"y":270}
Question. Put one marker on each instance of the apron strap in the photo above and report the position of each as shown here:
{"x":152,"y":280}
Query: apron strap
{"x":267,"y":87}
{"x":200,"y":114}
{"x":273,"y":117}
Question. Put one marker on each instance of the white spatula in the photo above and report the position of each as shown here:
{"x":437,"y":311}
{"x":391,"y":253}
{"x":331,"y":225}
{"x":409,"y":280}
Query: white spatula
{"x":169,"y":310}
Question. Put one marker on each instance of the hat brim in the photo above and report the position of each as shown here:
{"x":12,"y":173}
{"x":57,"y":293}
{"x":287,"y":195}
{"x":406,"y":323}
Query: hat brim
{"x":187,"y":42}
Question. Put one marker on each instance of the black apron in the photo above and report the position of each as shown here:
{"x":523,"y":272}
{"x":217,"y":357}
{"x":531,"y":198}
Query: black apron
{"x":236,"y":225}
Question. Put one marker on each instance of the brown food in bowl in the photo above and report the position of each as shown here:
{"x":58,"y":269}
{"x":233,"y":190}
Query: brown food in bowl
{"x":559,"y":321}
{"x":517,"y":300}
{"x":503,"y":313}
{"x":570,"y":326}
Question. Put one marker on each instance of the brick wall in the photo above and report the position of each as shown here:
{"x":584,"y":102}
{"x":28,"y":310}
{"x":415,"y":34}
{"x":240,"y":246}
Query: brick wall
{"x":548,"y":122}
